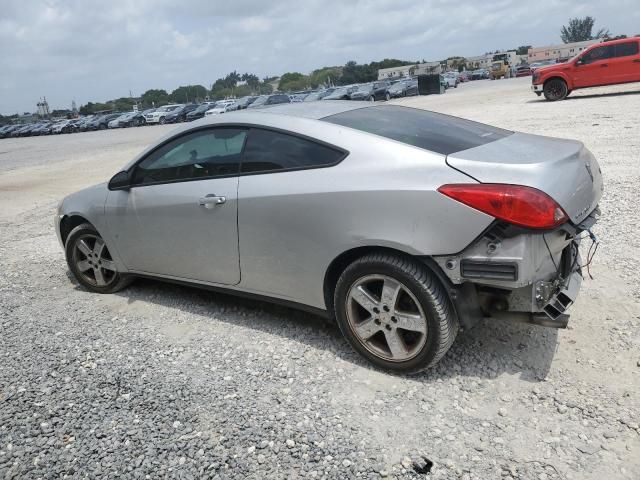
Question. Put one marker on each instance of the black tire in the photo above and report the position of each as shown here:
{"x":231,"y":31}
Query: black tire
{"x":441,"y":320}
{"x":387,"y":96}
{"x":161,"y":121}
{"x":371,"y":98}
{"x":555,"y":89}
{"x":102,"y":126}
{"x":113,"y":281}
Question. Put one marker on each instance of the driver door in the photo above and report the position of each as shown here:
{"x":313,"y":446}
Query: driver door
{"x":179,"y":218}
{"x":594,"y":68}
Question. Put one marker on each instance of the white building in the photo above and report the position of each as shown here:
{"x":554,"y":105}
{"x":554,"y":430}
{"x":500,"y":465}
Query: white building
{"x":555,"y":52}
{"x":479,"y":61}
{"x":395,"y":72}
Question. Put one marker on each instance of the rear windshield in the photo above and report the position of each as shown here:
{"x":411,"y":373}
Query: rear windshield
{"x":429,"y":130}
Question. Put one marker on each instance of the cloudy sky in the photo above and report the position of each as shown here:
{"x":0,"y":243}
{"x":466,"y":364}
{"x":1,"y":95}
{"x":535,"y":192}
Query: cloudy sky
{"x":98,"y":50}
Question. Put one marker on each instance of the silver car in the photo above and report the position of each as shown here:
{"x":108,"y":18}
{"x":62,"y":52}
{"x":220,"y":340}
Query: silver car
{"x":402,"y":224}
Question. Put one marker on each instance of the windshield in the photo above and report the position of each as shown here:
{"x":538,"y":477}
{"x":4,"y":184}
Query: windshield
{"x":365,"y":88}
{"x":431,"y":131}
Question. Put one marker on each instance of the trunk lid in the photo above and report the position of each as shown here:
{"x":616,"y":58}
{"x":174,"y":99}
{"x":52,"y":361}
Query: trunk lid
{"x":563,"y":169}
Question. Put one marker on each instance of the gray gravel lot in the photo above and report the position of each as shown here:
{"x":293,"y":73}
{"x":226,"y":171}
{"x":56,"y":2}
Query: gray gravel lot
{"x":161,"y":381}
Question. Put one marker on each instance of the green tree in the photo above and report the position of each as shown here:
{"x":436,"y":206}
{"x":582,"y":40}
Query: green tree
{"x":189,"y":93}
{"x":292,"y":81}
{"x":580,"y":29}
{"x":155,"y":98}
{"x":523,"y":49}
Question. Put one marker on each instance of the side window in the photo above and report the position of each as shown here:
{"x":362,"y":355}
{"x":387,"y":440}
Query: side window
{"x":626,"y":49}
{"x":268,"y":151}
{"x":599,"y":53}
{"x":202,"y":154}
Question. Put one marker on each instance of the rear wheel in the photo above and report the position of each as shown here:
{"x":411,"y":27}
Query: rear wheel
{"x":387,"y":96}
{"x":91,"y":263}
{"x":394,"y":312}
{"x":371,"y":98}
{"x":555,"y":89}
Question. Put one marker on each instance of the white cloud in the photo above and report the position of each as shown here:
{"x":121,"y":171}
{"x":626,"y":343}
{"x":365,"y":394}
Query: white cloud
{"x":97,"y":50}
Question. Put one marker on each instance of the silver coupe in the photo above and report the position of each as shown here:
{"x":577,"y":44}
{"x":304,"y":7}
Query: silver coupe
{"x":402,"y":224}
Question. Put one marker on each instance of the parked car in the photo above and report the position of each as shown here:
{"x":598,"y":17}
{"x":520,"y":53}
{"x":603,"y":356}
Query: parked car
{"x":450,"y":81}
{"x":479,"y":74}
{"x":464,"y":76}
{"x":341,"y":93}
{"x":159,"y":115}
{"x":244,"y":102}
{"x":6,"y":131}
{"x":267,"y":100}
{"x":523,"y":70}
{"x":403,"y":88}
{"x":63,"y":126}
{"x":535,"y":65}
{"x":319,"y":95}
{"x":180,"y":114}
{"x":121,"y":121}
{"x":200,"y":111}
{"x":43,"y":128}
{"x":101,"y":122}
{"x":607,"y":63}
{"x":23,"y":130}
{"x":371,"y":91}
{"x":222,"y":106}
{"x":280,"y":206}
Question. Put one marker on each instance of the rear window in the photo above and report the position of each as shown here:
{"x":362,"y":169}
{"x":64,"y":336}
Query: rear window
{"x":428,"y":130}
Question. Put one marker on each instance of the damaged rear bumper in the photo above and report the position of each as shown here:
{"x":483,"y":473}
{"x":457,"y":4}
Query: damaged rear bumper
{"x":517,"y":275}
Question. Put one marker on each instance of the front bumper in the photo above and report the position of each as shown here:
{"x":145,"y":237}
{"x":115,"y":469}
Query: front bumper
{"x":537,"y":88}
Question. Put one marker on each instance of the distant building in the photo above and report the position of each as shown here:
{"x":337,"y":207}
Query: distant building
{"x":557,"y":52}
{"x":396,"y":72}
{"x":479,"y":61}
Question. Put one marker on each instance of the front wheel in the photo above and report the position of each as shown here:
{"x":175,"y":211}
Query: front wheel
{"x":371,"y":98}
{"x":555,"y":89}
{"x":91,"y":263}
{"x":394,"y":312}
{"x":162,"y":121}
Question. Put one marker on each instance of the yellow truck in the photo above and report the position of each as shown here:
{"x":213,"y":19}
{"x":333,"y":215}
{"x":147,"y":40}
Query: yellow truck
{"x":500,"y":67}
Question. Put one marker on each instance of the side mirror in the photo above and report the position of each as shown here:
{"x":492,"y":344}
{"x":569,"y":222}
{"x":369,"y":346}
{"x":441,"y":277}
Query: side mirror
{"x":579,"y":62}
{"x":120,"y":181}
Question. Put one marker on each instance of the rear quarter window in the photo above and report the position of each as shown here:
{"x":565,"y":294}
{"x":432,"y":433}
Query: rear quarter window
{"x":431,"y":131}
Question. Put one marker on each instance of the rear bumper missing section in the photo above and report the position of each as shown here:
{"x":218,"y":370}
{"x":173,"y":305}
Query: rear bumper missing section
{"x":528,"y":277}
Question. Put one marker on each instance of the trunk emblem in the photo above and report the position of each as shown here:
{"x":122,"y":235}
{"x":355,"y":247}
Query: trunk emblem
{"x":588,"y":167}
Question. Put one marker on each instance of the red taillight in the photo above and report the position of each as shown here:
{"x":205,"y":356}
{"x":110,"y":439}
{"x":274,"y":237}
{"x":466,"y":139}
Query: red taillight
{"x":516,"y":204}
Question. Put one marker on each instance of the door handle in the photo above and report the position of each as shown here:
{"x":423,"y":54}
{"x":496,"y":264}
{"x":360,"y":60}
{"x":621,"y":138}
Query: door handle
{"x":211,"y":200}
{"x":637,"y":60}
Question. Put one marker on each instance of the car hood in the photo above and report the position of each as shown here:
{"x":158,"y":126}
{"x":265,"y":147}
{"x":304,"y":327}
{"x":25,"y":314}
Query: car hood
{"x":563,"y":169}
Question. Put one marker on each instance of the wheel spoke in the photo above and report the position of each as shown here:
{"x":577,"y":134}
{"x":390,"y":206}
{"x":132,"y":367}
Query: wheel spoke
{"x":390,"y":290}
{"x":108,"y":264}
{"x":395,"y":343}
{"x":410,"y":321}
{"x":367,"y":329}
{"x":83,"y":247}
{"x":364,"y":298}
{"x":98,"y":247}
{"x":83,"y":265}
{"x":99,"y":277}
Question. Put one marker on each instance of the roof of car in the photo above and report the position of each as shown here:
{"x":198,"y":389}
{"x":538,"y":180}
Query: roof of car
{"x":312,"y":110}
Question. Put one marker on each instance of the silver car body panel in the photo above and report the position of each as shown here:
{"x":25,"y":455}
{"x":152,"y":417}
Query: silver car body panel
{"x":278,"y":232}
{"x":564,"y":169}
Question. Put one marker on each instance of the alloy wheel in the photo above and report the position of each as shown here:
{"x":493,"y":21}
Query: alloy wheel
{"x":93,"y":261}
{"x":386,"y":318}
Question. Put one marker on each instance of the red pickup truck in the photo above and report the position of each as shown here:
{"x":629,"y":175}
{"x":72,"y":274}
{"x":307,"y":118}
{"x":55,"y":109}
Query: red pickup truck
{"x":607,"y":63}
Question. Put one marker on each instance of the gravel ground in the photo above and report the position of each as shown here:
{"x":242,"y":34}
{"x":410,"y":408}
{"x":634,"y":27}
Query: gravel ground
{"x":161,"y":381}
